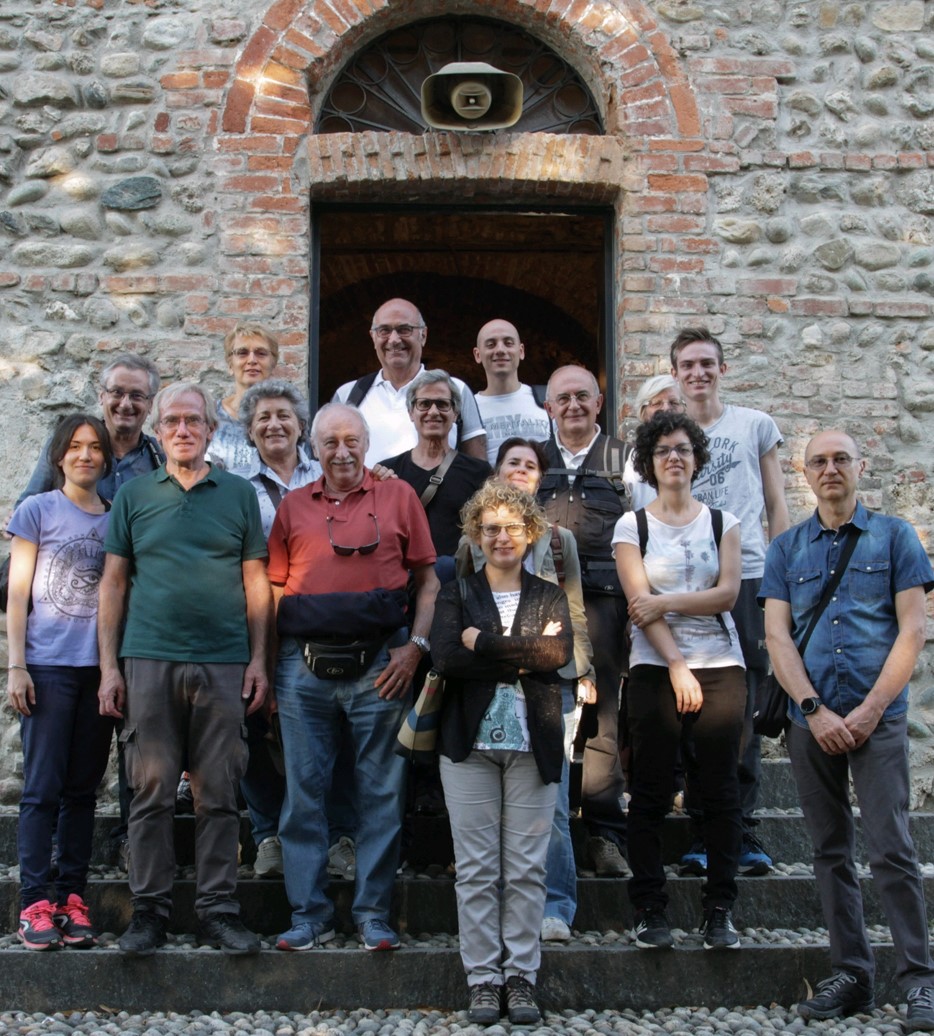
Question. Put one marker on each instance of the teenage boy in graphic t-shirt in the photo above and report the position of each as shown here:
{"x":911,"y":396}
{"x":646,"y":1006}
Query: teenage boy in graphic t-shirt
{"x":743,"y":476}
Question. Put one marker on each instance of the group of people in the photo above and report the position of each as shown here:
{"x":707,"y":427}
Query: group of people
{"x":245,"y":571}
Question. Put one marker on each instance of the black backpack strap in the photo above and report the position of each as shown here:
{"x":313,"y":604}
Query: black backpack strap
{"x":360,"y":388}
{"x":716,"y":520}
{"x":557,"y":553}
{"x":642,"y":524}
{"x":273,"y":489}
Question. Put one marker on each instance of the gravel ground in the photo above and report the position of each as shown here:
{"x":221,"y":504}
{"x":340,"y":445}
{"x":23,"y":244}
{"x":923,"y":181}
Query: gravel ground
{"x":679,"y":1021}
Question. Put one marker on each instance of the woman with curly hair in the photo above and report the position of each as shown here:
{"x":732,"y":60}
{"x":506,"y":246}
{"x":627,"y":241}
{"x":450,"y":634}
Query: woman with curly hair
{"x":499,"y":636}
{"x":681,"y":574}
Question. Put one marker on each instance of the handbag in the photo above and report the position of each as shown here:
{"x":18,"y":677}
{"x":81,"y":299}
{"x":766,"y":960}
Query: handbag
{"x":418,"y":735}
{"x":771,"y":716}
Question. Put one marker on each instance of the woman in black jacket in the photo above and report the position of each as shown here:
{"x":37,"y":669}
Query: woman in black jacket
{"x":498,"y":637}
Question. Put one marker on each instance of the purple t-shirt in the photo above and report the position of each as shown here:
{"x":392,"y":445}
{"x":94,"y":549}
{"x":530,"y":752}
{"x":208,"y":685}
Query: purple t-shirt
{"x":62,"y":627}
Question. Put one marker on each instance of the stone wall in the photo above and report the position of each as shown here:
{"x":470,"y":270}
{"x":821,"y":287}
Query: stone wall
{"x":770,"y":163}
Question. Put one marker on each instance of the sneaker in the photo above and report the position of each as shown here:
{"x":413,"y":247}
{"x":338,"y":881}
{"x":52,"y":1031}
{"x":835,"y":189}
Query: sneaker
{"x":608,"y":861}
{"x":375,"y":934}
{"x":652,"y":930}
{"x":228,"y":933}
{"x":73,"y":922}
{"x":268,"y":863}
{"x":840,"y":995}
{"x":520,"y":1001}
{"x":920,"y":1009}
{"x":342,"y":859}
{"x":753,"y":861}
{"x":694,"y":861}
{"x":145,"y":934}
{"x":184,"y":799}
{"x":485,"y":1005}
{"x":719,"y":933}
{"x":555,"y":930}
{"x":306,"y":935}
{"x":37,"y":929}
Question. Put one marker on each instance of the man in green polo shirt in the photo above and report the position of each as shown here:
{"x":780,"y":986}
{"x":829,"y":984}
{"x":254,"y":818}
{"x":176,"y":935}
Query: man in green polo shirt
{"x":186,"y":605}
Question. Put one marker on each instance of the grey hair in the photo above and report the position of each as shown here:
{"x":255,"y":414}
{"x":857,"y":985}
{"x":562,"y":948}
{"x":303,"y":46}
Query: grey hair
{"x":433,"y":377}
{"x":650,"y":388}
{"x":133,"y":362}
{"x":572,"y":367}
{"x":273,"y":388}
{"x":329,"y":408}
{"x":170,"y":394}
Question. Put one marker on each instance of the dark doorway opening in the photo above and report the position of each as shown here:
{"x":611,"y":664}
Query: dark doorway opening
{"x":547,"y":270}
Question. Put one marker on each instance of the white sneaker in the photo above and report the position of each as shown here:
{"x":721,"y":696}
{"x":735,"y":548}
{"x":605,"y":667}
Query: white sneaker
{"x":268,"y":859}
{"x":555,"y":930}
{"x":342,"y":859}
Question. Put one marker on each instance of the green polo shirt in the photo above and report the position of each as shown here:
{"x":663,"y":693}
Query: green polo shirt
{"x":186,"y":548}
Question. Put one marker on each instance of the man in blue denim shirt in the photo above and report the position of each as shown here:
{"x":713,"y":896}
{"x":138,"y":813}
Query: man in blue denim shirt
{"x":849,"y":712}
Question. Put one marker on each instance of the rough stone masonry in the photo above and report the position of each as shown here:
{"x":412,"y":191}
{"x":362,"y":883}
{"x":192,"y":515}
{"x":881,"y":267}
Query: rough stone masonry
{"x":770,"y":163}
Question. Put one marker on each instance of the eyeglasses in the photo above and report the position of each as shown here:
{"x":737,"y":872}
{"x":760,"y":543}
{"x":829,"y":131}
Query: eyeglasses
{"x":402,"y":330}
{"x":242,"y":353}
{"x":192,"y":421}
{"x":683,"y":449}
{"x":514,"y":529}
{"x":443,"y":406}
{"x":840,"y":460}
{"x":346,"y":552}
{"x":564,"y":398}
{"x":119,"y":394}
{"x":665,"y":404}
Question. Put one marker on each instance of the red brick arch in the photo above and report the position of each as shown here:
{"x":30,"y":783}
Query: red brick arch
{"x":617,"y":46}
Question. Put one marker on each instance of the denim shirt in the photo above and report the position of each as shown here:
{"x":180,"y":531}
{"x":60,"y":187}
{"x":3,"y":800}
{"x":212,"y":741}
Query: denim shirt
{"x":143,"y":458}
{"x":855,"y":634}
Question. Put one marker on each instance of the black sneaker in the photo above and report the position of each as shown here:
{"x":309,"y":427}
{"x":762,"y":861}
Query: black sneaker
{"x":228,"y":933}
{"x":920,"y":1009}
{"x":719,"y":933}
{"x":652,"y":930}
{"x":486,"y":1005}
{"x":520,"y":1001}
{"x":840,"y":995}
{"x":145,"y":934}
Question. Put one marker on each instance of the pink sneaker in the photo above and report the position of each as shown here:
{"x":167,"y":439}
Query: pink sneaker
{"x":37,"y":930}
{"x":73,"y":922}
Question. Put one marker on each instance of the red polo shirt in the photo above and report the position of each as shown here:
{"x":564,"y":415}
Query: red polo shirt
{"x":300,"y":554}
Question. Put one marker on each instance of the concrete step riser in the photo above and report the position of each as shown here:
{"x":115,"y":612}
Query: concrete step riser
{"x":421,"y":907}
{"x":570,"y":978}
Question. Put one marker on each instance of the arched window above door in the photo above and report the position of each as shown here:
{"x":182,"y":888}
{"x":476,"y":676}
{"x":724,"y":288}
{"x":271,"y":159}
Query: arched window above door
{"x":379,"y":89}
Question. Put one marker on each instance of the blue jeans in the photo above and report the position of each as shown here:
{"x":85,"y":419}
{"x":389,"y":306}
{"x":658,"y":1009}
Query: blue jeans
{"x":310,"y":712}
{"x":66,"y":743}
{"x":560,"y":869}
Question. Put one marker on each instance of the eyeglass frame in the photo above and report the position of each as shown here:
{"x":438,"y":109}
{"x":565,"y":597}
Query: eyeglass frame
{"x":443,"y":406}
{"x":343,"y":551}
{"x":384,"y":331}
{"x":521,"y":526}
{"x":682,"y":449}
{"x":134,"y":396}
{"x":840,"y":461}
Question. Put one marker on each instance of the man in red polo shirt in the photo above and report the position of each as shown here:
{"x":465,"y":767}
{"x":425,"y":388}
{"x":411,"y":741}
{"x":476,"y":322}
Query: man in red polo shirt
{"x":340,"y":553}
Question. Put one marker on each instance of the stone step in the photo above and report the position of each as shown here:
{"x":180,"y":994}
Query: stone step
{"x":572,"y":977}
{"x":427,"y":906}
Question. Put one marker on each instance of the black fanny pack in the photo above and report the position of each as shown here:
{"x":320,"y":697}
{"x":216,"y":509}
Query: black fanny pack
{"x":341,"y":661}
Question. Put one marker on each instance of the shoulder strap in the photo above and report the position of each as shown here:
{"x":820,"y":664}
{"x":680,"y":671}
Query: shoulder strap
{"x":716,"y":520}
{"x":642,"y":524}
{"x":539,"y":392}
{"x":851,"y":538}
{"x":437,"y":477}
{"x":557,"y":553}
{"x":360,"y":388}
{"x":273,"y":489}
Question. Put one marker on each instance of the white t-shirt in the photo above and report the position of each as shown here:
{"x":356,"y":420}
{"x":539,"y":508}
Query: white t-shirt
{"x":641,"y":493}
{"x":683,"y":559}
{"x":732,"y":480}
{"x":391,"y":428}
{"x":515,"y":413}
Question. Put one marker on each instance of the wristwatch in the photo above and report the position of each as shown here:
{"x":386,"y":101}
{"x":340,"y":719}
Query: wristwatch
{"x":422,"y":643}
{"x":809,"y":706}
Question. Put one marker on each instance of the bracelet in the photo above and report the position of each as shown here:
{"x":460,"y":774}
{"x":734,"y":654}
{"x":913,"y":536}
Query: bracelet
{"x":23,"y":667}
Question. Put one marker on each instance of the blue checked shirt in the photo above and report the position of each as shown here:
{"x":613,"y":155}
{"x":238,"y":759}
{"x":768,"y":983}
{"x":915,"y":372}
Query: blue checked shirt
{"x":853,"y":637}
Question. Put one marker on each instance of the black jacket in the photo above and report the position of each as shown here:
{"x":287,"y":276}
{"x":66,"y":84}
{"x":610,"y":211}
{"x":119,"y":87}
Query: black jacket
{"x":471,"y":676}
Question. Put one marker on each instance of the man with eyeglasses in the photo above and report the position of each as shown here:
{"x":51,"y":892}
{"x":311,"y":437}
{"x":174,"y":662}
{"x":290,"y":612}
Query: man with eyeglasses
{"x":185,"y":605}
{"x":583,"y":490}
{"x":340,"y":553}
{"x":848,"y":705}
{"x":399,"y":334}
{"x":508,"y":407}
{"x":744,"y":476}
{"x":127,"y":387}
